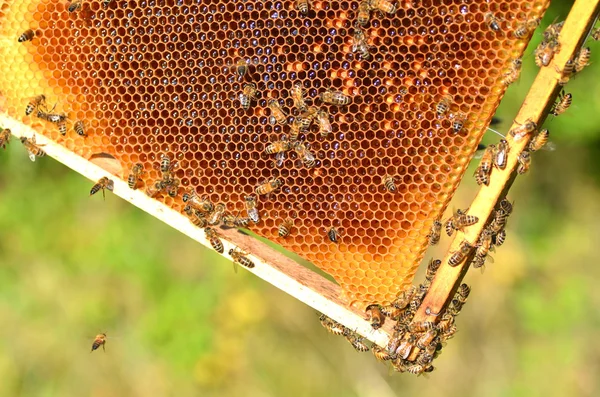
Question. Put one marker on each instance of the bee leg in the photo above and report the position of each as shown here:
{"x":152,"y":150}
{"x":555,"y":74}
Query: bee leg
{"x":103,"y":348}
{"x":104,"y":198}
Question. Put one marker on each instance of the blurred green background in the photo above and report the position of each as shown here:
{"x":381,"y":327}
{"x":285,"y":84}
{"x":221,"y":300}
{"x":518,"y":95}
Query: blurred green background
{"x":181,"y":323}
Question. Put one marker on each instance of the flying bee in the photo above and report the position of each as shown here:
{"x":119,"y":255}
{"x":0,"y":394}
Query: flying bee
{"x":458,"y":221}
{"x":444,"y":105}
{"x":544,"y":52}
{"x":363,"y":13}
{"x":306,"y":117}
{"x":213,"y":238}
{"x":562,"y":104}
{"x":278,"y":115}
{"x":360,"y":44}
{"x":501,"y":154}
{"x":422,"y":326}
{"x":285,"y":228}
{"x":432,"y":268}
{"x":333,"y":326}
{"x":278,"y":146}
{"x":99,"y":340}
{"x":33,"y":150}
{"x":249,"y":93}
{"x":269,"y":186}
{"x":524,"y":162}
{"x":239,"y":258}
{"x":459,"y":255}
{"x":357,"y":342}
{"x":389,"y":182}
{"x":34,"y":104}
{"x":4,"y":137}
{"x":79,"y":128}
{"x":382,"y":5}
{"x":493,"y":21}
{"x":333,"y":235}
{"x":513,"y":72}
{"x":27,"y":35}
{"x":459,"y":122}
{"x":380,"y":353}
{"x":435,"y":232}
{"x":74,"y":6}
{"x":55,"y":118}
{"x":135,"y":175}
{"x":525,"y":28}
{"x":251,"y":208}
{"x":538,"y":141}
{"x":582,"y":59}
{"x":324,"y":124}
{"x":334,"y":97}
{"x":484,"y":170}
{"x":203,"y":204}
{"x":303,"y":6}
{"x":427,"y":338}
{"x":297,"y":94}
{"x":241,"y":67}
{"x":566,"y":73}
{"x":375,"y":316}
{"x":103,"y":184}
{"x":499,"y":238}
{"x":217,"y":215}
{"x":520,"y":132}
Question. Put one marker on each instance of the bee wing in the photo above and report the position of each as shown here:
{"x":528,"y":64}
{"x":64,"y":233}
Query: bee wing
{"x":235,"y":267}
{"x":550,"y":146}
{"x":31,"y":155}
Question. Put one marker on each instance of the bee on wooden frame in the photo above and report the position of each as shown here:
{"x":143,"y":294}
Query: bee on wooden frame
{"x":33,"y":149}
{"x":103,"y":184}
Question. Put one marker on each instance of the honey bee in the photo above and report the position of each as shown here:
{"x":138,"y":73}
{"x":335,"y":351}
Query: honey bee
{"x":134,"y":177}
{"x":375,"y":316}
{"x":99,"y":340}
{"x":562,"y":104}
{"x":444,"y":105}
{"x":27,"y":35}
{"x":493,"y":21}
{"x":483,"y":245}
{"x":305,"y":155}
{"x":544,"y":52}
{"x":306,"y":117}
{"x":462,"y":293}
{"x":519,"y":133}
{"x":213,"y":238}
{"x":380,"y":353}
{"x":426,"y":358}
{"x":449,"y":333}
{"x":103,"y":184}
{"x":538,"y":141}
{"x":596,"y":34}
{"x":334,"y":97}
{"x":552,"y":31}
{"x":33,"y":150}
{"x":295,"y":129}
{"x":62,"y":128}
{"x":203,"y":204}
{"x":241,"y":67}
{"x":389,"y":182}
{"x":360,"y":44}
{"x":197,"y":218}
{"x":391,"y":312}
{"x":357,"y":342}
{"x":217,"y":215}
{"x":432,"y":268}
{"x":382,"y":5}
{"x":165,"y":164}
{"x":422,"y":326}
{"x":333,"y":326}
{"x":241,"y":221}
{"x":405,"y":297}
{"x":525,"y":28}
{"x":566,"y":73}
{"x":458,"y":221}
{"x":499,"y":221}
{"x":406,"y":347}
{"x":297,"y":94}
{"x":363,"y":13}
{"x":427,"y":338}
{"x":79,"y":128}
{"x":4,"y":137}
{"x":278,"y":115}
{"x":285,"y":228}
{"x":333,"y":235}
{"x":303,"y":6}
{"x":74,"y":6}
{"x":251,"y":208}
{"x":435,"y":232}
{"x":524,"y":162}
{"x":459,"y":255}
{"x":34,"y":103}
{"x":505,"y":205}
{"x":239,"y":258}
{"x":269,"y":186}
{"x":249,"y":93}
{"x":582,"y":59}
{"x":55,"y":118}
{"x":501,"y":154}
{"x":418,"y":369}
{"x":446,"y":322}
{"x":513,"y":72}
{"x":499,"y":238}
{"x":484,"y":170}
{"x":459,"y":122}
{"x":172,"y":186}
{"x":324,"y":124}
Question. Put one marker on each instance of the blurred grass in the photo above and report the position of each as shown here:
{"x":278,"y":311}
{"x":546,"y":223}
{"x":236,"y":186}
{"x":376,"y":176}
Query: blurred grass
{"x":181,"y":322}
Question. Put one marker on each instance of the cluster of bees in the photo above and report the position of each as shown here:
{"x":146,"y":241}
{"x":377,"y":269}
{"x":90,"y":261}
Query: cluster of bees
{"x":413,"y":345}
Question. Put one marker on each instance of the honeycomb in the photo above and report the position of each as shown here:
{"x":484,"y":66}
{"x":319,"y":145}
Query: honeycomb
{"x":154,"y":77}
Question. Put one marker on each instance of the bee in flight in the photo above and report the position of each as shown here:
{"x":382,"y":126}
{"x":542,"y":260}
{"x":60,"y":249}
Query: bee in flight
{"x":4,"y":137}
{"x":100,"y":340}
{"x":33,"y":150}
{"x":103,"y":184}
